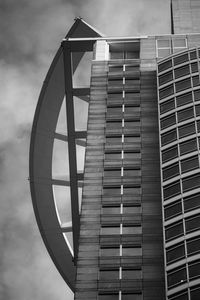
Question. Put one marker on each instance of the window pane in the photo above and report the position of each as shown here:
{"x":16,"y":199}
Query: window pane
{"x":110,"y":230}
{"x":179,"y":72}
{"x":197,"y":95}
{"x":184,"y":99}
{"x":175,"y":253}
{"x":194,"y":270}
{"x":116,"y":55}
{"x":168,"y":137}
{"x":109,"y":274}
{"x":194,"y":67}
{"x":112,"y":173}
{"x":163,"y":43}
{"x":191,"y":182}
{"x":168,"y":121}
{"x":174,"y":231}
{"x":191,"y":202}
{"x":111,"y":210}
{"x":132,"y":296}
{"x":169,"y":154}
{"x":186,"y":130}
{"x":193,"y":246}
{"x":179,"y":42}
{"x":195,"y":80}
{"x":185,"y":114}
{"x":183,"y":85}
{"x":165,"y":78}
{"x":165,"y":92}
{"x":172,"y":210}
{"x":112,"y":191}
{"x":172,"y":190}
{"x":192,"y":224}
{"x":193,"y":54}
{"x":181,"y":59}
{"x":131,"y":274}
{"x":164,"y":52}
{"x":111,"y":251}
{"x":113,"y":156}
{"x":108,"y":297}
{"x":131,"y":251}
{"x":195,"y":294}
{"x":131,"y":209}
{"x":189,"y":164}
{"x":180,"y":296}
{"x":188,"y":146}
{"x":167,"y":106}
{"x":165,"y":65}
{"x":177,"y":277}
{"x":131,"y":229}
{"x":170,"y":171}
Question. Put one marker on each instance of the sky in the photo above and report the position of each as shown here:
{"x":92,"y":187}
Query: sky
{"x":31,"y":32}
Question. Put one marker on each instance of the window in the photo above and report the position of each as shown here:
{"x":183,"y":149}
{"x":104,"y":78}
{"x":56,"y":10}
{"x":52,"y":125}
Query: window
{"x":131,"y":251}
{"x":132,"y":172}
{"x":185,"y":114}
{"x":174,"y":231}
{"x":173,"y":209}
{"x":191,"y":202}
{"x":193,"y":246}
{"x":132,"y":156}
{"x":169,"y":154}
{"x":179,"y":44}
{"x":165,"y":78}
{"x":191,"y":182}
{"x":112,"y":173}
{"x":193,"y":54}
{"x":111,"y":274}
{"x":195,"y":80}
{"x":186,"y":130}
{"x":183,"y":85}
{"x":194,"y":67}
{"x":130,"y":229}
{"x":194,"y":270}
{"x":184,"y":99}
{"x":180,"y":296}
{"x":196,"y":95}
{"x":188,"y":146}
{"x":168,"y":121}
{"x":165,"y":65}
{"x":110,"y":296}
{"x":163,"y":47}
{"x":110,"y":210}
{"x":167,"y":91}
{"x":177,"y":277}
{"x":110,"y":230}
{"x":172,"y":190}
{"x":168,"y":137}
{"x":131,"y":209}
{"x":171,"y":171}
{"x":182,"y":71}
{"x":181,"y":59}
{"x":115,"y":69}
{"x":128,"y":274}
{"x":189,"y":164}
{"x":109,"y":191}
{"x":192,"y":224}
{"x":197,"y":109}
{"x":175,"y":253}
{"x":195,"y":294}
{"x":131,"y":190}
{"x":131,"y":296}
{"x":109,"y":251}
{"x":113,"y":156}
{"x":167,"y":106}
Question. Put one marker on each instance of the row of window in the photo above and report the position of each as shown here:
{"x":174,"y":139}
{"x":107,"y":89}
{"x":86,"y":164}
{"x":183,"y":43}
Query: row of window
{"x":177,"y":60}
{"x":179,"y":275}
{"x":169,"y":45}
{"x":120,"y":273}
{"x":179,"y":229}
{"x":194,"y":293}
{"x":119,"y":68}
{"x":184,"y":249}
{"x":120,"y":296}
{"x":120,"y":250}
{"x":124,"y":54}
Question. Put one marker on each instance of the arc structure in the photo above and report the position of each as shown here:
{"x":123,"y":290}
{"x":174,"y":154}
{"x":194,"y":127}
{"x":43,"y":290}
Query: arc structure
{"x":57,"y":89}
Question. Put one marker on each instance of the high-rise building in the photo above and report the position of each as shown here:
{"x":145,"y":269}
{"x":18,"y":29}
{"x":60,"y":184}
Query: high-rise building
{"x":135,"y":234}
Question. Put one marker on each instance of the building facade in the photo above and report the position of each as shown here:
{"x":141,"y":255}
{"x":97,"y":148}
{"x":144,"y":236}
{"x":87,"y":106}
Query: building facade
{"x":136,"y":233}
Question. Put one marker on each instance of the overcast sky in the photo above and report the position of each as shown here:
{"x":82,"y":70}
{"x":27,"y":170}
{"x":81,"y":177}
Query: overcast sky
{"x":31,"y":32}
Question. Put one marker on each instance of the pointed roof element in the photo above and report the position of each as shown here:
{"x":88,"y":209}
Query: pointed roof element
{"x":81,"y":29}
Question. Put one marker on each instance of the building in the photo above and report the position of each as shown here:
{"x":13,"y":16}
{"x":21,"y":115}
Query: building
{"x":137,"y":236}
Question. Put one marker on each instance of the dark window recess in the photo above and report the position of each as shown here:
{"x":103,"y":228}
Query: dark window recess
{"x":185,"y":114}
{"x":182,"y":71}
{"x":174,"y":231}
{"x":167,"y":106}
{"x":192,"y":223}
{"x":191,"y":202}
{"x":183,"y":85}
{"x":172,"y":190}
{"x":168,"y":137}
{"x":175,"y":253}
{"x":195,"y":80}
{"x":184,"y":99}
{"x":171,"y":171}
{"x":173,"y":210}
{"x":193,"y":54}
{"x":168,"y":121}
{"x":194,"y":67}
{"x":165,"y":78}
{"x":113,"y":296}
{"x":197,"y":109}
{"x":191,"y":182}
{"x":188,"y":146}
{"x":131,"y":296}
{"x":195,"y":294}
{"x":193,"y":246}
{"x":165,"y":65}
{"x":197,"y":95}
{"x":169,"y":154}
{"x":180,"y":296}
{"x":181,"y":59}
{"x":186,"y":130}
{"x":177,"y":277}
{"x":189,"y":164}
{"x":112,"y":274}
{"x":165,"y":92}
{"x":110,"y":251}
{"x":194,"y":270}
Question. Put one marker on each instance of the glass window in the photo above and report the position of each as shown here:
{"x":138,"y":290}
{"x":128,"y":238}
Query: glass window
{"x":189,"y":164}
{"x":172,"y":190}
{"x":191,"y":202}
{"x":198,"y":126}
{"x":129,"y":229}
{"x":174,"y":231}
{"x":195,"y":294}
{"x":164,"y":52}
{"x":116,"y":55}
{"x":183,"y":85}
{"x":164,"y":43}
{"x":169,"y":154}
{"x":165,"y":65}
{"x":110,"y":251}
{"x":168,"y":121}
{"x":131,"y":190}
{"x":168,"y":137}
{"x":191,"y":182}
{"x":113,"y":296}
{"x":131,"y":251}
{"x":180,"y":296}
{"x":113,"y":140}
{"x":131,"y":296}
{"x":111,"y":210}
{"x":112,"y":173}
{"x":179,"y":43}
{"x":185,"y":114}
{"x":188,"y":146}
{"x":171,"y":171}
{"x":112,"y":191}
{"x":113,"y":156}
{"x":167,"y":106}
{"x":132,"y":172}
{"x":197,"y":108}
{"x":167,"y":91}
{"x":193,"y":246}
{"x":186,"y":130}
{"x":197,"y":95}
{"x":173,"y":209}
{"x":176,"y":277}
{"x":184,"y":99}
{"x":194,"y":270}
{"x":181,"y":59}
{"x":131,"y":209}
{"x":194,"y":67}
{"x":131,"y":274}
{"x":192,"y":223}
{"x":112,"y":274}
{"x":114,"y":96}
{"x":131,"y":139}
{"x":132,"y":54}
{"x":193,"y":54}
{"x":175,"y":253}
{"x":165,"y":78}
{"x":110,"y":230}
{"x":195,"y":80}
{"x":114,"y":69}
{"x":182,"y":71}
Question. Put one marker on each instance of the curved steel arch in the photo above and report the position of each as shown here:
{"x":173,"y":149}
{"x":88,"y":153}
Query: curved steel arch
{"x":55,"y":87}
